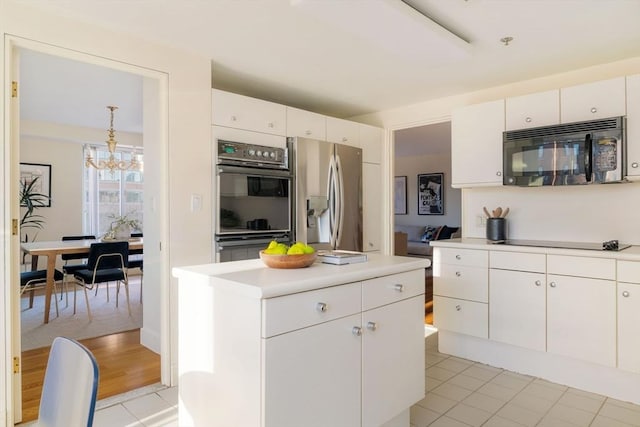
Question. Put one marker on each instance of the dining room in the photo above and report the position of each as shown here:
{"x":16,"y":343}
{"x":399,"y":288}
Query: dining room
{"x":63,"y":153}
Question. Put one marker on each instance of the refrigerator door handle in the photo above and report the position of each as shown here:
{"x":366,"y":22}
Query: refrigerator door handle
{"x":340,"y":201}
{"x":331,"y":196}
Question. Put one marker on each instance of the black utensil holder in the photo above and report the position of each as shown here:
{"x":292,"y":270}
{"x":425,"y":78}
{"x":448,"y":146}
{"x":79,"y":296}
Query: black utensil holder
{"x":496,"y":230}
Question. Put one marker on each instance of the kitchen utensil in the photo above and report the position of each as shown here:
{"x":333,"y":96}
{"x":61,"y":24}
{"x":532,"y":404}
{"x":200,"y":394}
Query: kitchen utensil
{"x":505,"y":213}
{"x":486,"y":212}
{"x":498,"y":212}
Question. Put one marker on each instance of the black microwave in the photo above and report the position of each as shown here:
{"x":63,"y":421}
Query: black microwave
{"x":590,"y":152}
{"x":261,"y":186}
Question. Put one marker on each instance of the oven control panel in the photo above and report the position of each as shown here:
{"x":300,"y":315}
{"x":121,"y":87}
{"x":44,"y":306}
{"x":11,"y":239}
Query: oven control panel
{"x":251,"y":154}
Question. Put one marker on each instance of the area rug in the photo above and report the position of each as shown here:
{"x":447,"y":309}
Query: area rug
{"x":107,"y":318}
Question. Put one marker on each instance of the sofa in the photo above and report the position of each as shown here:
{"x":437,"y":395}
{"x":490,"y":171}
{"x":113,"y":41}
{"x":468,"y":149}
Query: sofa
{"x":419,"y":236}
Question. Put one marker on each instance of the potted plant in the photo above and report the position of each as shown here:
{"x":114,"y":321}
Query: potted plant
{"x":31,"y":200}
{"x":121,"y":226}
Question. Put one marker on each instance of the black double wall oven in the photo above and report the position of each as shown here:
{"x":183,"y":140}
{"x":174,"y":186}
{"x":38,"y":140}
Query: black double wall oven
{"x":254,"y":199}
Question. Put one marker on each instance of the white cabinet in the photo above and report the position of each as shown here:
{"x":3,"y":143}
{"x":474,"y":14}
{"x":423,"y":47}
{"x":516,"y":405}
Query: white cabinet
{"x":628,"y":298}
{"x":536,"y":109}
{"x":460,"y":289}
{"x":581,"y":311}
{"x":476,"y":145}
{"x":371,"y":142}
{"x":633,"y":126}
{"x":597,"y":100}
{"x":242,"y":112}
{"x":306,"y":124}
{"x":517,"y":299}
{"x":371,"y":206}
{"x":343,"y":131}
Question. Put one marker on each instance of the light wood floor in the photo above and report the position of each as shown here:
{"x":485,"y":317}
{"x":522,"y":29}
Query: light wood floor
{"x":124,"y":365}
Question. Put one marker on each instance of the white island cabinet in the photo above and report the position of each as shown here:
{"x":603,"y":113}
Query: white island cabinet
{"x":320,"y":346}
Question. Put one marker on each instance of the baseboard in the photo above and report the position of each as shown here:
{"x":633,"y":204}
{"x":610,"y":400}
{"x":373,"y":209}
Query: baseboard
{"x":150,"y":339}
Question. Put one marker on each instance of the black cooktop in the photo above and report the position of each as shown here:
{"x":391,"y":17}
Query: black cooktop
{"x":610,"y":245}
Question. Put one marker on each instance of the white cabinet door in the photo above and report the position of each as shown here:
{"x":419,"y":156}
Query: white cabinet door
{"x":242,"y":112}
{"x":392,"y":360}
{"x":598,"y":100}
{"x":462,"y":316}
{"x":372,"y":206}
{"x":517,"y":308}
{"x":633,"y":126}
{"x":476,"y":145}
{"x":371,"y":142}
{"x":581,"y":318}
{"x":629,"y":327}
{"x":536,"y":109}
{"x":343,"y":131}
{"x":312,"y":376}
{"x":306,"y":124}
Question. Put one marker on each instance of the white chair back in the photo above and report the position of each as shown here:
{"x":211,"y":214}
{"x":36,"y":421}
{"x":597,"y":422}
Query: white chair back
{"x":70,"y":386}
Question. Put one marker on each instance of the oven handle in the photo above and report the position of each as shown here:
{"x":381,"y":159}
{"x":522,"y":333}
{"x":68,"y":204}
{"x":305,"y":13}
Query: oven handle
{"x":588,"y":157}
{"x":254,"y":171}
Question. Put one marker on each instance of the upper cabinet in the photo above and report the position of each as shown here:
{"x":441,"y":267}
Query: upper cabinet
{"x":476,"y":145}
{"x":306,"y":124}
{"x":530,"y":111}
{"x":371,"y":141}
{"x":242,"y":112}
{"x":597,"y":100}
{"x":633,"y":126}
{"x":342,"y":131}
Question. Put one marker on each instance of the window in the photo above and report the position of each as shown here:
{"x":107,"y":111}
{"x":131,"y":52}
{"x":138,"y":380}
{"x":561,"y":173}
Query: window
{"x":109,"y":193}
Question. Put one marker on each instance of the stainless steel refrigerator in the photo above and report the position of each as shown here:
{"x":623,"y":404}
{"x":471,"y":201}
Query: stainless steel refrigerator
{"x":328,"y":181}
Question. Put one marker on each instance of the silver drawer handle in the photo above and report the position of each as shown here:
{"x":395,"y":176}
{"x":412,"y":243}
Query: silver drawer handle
{"x":625,"y":294}
{"x":458,"y":274}
{"x":458,"y":257}
{"x":307,"y":132}
{"x":538,"y":283}
{"x":528,"y":120}
{"x":372,"y":326}
{"x":270,"y":124}
{"x":398,"y":287}
{"x":634,"y":165}
{"x":594,"y":110}
{"x":321,"y":306}
{"x":234,"y":118}
{"x":357,"y":331}
{"x":552,"y":284}
{"x":458,"y":308}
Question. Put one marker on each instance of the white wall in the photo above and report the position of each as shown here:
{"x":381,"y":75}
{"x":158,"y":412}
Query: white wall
{"x":587,"y":214}
{"x":412,"y":166}
{"x":185,"y":124}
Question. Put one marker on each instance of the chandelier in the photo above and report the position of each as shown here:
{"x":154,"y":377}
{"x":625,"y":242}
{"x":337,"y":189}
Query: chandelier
{"x":112,"y":163}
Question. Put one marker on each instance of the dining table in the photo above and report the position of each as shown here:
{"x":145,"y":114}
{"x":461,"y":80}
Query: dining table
{"x":51,"y":249}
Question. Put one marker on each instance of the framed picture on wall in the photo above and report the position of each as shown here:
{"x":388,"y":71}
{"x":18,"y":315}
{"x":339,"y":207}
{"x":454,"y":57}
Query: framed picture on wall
{"x":400,"y":195}
{"x":431,"y":194}
{"x":40,"y":175}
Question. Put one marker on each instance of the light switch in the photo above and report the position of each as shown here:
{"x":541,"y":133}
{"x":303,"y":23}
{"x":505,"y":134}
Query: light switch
{"x":196,"y":202}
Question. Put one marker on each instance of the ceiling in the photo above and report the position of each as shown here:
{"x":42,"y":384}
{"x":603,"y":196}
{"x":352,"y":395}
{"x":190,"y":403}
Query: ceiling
{"x":350,"y":57}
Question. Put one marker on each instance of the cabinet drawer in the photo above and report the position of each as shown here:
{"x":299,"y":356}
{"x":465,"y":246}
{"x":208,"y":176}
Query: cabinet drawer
{"x":465,"y":317}
{"x":518,"y":261}
{"x":458,"y":281}
{"x":243,"y":112}
{"x":306,"y":124}
{"x":597,"y":268}
{"x":629,"y":271}
{"x":385,"y":290}
{"x":295,"y":311}
{"x":469,"y":257}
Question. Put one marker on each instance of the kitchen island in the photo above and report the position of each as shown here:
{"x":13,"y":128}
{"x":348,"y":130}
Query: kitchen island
{"x":571,"y":316}
{"x":327,"y":345}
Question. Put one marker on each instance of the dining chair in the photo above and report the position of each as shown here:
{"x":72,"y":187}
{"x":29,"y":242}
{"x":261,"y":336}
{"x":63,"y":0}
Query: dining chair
{"x":37,"y":279}
{"x":107,"y":262}
{"x":70,"y":387}
{"x":69,"y":269}
{"x":136,"y":261}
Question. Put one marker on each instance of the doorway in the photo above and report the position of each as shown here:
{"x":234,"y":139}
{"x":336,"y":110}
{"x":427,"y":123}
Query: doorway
{"x":424,"y":151}
{"x":153,"y":104}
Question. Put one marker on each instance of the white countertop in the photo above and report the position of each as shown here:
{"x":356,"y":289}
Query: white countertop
{"x":629,"y":254}
{"x":253,"y":278}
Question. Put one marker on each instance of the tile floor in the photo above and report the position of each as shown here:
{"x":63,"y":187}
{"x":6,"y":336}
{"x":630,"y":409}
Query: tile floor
{"x":460,"y":393}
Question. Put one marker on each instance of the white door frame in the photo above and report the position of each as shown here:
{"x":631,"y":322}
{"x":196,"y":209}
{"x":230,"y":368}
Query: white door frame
{"x":10,"y":167}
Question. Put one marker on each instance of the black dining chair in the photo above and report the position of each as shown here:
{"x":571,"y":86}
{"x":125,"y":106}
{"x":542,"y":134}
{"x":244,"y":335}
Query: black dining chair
{"x":136,"y":261}
{"x":107,"y":262}
{"x":37,"y":279}
{"x":69,"y":269}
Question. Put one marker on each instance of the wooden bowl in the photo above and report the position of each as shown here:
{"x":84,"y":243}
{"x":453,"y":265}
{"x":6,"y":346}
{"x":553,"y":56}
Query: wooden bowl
{"x":288,"y":261}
